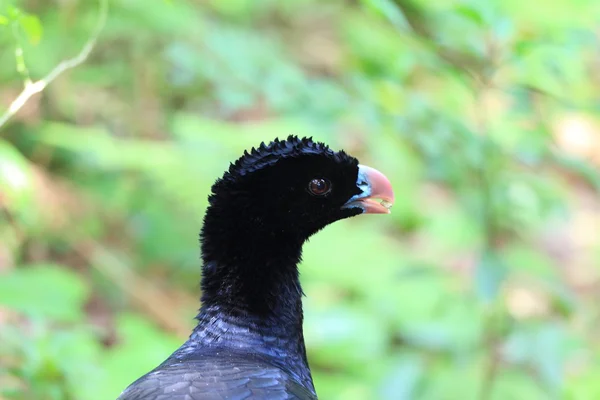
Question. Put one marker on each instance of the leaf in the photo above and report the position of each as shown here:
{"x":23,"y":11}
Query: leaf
{"x":523,"y":47}
{"x":514,"y":384}
{"x":489,"y":276}
{"x":14,"y":169}
{"x":544,"y":348}
{"x":470,"y":13}
{"x":16,"y":181}
{"x":392,"y":12}
{"x":335,"y":339}
{"x":456,"y":325}
{"x":46,"y":356}
{"x":337,"y":386}
{"x":32,"y":26}
{"x":357,"y":248}
{"x":13,"y":12}
{"x":523,"y":259}
{"x":404,"y":378}
{"x":44,"y":290}
{"x":3,"y":20}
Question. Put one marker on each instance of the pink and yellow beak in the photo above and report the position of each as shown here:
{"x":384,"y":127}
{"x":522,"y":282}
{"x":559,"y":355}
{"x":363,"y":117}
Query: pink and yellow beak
{"x":377,"y":195}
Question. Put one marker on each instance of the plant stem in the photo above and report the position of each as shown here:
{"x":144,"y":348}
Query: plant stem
{"x":31,"y":87}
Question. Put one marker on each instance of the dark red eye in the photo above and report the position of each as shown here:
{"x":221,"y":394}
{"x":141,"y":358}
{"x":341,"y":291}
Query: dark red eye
{"x":319,"y":186}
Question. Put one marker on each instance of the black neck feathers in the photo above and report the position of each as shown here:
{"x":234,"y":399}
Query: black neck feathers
{"x":250,"y":268}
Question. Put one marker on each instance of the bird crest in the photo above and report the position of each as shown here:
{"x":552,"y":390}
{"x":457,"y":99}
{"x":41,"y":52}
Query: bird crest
{"x":268,"y":154}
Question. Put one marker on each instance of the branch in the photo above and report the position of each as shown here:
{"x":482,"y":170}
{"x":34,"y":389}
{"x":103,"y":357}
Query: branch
{"x":32,"y":88}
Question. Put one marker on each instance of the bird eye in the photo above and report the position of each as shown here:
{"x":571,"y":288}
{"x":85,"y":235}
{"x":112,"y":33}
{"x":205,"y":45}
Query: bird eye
{"x":319,"y":186}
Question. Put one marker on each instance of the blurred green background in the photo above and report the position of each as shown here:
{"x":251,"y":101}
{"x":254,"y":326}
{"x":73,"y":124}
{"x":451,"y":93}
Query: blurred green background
{"x":482,"y":284}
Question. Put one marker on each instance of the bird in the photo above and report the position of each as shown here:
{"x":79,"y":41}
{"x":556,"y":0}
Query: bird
{"x":248,"y":342}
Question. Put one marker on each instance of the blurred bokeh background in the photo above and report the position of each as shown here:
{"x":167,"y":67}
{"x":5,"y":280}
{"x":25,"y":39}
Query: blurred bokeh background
{"x":484,"y":283}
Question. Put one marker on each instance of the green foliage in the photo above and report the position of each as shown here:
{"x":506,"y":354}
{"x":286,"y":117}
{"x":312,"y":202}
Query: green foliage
{"x":47,"y":291}
{"x":16,"y":181}
{"x":482,"y":284}
{"x":29,"y":23}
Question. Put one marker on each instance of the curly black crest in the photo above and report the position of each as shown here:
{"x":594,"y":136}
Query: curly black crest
{"x":269,"y":154}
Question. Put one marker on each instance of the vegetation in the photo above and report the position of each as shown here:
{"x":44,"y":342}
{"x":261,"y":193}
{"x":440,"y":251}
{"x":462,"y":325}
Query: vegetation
{"x":483,"y":283}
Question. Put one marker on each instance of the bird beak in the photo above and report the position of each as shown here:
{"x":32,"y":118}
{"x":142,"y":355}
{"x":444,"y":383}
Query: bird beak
{"x":377,"y":195}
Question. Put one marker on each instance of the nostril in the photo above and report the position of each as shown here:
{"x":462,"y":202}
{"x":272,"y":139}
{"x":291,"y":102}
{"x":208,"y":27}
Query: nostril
{"x":364,"y":186}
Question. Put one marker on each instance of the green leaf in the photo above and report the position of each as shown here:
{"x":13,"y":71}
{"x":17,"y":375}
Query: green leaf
{"x":470,"y":13}
{"x":389,"y":10}
{"x":3,"y":20}
{"x":523,"y":259}
{"x":48,"y":357}
{"x":514,"y":384}
{"x":32,"y":26}
{"x":334,"y":338}
{"x":16,"y":181}
{"x":44,"y":290}
{"x":337,"y":386}
{"x":403,"y":378}
{"x":523,"y":47}
{"x":13,"y":12}
{"x":542,"y":347}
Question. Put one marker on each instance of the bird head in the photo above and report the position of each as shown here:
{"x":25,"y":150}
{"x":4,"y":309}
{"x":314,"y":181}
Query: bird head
{"x":298,"y":186}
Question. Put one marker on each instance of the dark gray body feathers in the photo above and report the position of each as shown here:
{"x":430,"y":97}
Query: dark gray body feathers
{"x":217,"y":377}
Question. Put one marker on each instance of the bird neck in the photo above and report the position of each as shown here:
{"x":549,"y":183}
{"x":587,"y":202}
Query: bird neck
{"x":251,"y":293}
{"x":252,"y":302}
{"x":250,"y":275}
{"x":268,"y":292}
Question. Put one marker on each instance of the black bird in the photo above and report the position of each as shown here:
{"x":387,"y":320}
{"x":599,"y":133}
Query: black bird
{"x":248,"y":342}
